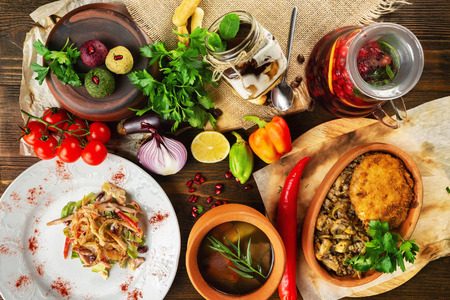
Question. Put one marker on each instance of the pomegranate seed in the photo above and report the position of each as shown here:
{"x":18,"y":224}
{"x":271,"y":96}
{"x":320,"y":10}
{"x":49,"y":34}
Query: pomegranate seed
{"x":189,"y":183}
{"x":202,"y":179}
{"x":385,"y":60}
{"x":196,"y":182}
{"x":224,"y":202}
{"x":118,"y":57}
{"x":228,"y":175}
{"x":194,"y":214}
{"x":212,"y":206}
{"x":191,"y":198}
{"x":195,"y":199}
{"x":194,"y":209}
{"x":248,"y":187}
{"x":91,"y":49}
{"x":197,"y":176}
{"x":142,"y":249}
{"x":67,"y":223}
{"x":191,"y":190}
{"x":237,"y":179}
{"x":219,"y":186}
{"x":95,"y":80}
{"x":209,"y":199}
{"x":218,"y":192}
{"x":217,"y":202}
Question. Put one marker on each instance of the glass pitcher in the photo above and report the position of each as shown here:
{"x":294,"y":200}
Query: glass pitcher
{"x":353,"y":71}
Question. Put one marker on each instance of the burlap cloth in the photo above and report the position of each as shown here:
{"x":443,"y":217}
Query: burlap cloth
{"x":315,"y":18}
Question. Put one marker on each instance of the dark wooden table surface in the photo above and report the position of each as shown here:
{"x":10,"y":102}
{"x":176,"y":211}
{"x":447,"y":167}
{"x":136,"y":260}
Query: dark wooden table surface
{"x":428,"y":20}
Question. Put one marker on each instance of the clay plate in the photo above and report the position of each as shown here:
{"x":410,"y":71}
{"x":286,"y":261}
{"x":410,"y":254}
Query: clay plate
{"x":405,"y":229}
{"x":113,"y":26}
{"x":228,"y":213}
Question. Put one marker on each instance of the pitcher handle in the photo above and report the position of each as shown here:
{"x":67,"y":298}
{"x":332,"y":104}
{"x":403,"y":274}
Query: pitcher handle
{"x":399,"y":110}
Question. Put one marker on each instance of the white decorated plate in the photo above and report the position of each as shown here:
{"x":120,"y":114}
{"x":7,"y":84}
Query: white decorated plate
{"x":31,"y":253}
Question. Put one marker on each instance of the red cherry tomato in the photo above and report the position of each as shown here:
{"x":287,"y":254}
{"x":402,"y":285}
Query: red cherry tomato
{"x":70,"y":150}
{"x":56,"y":116}
{"x":94,"y":153}
{"x":99,"y":131}
{"x":33,"y":131}
{"x":45,"y":149}
{"x":76,"y":126}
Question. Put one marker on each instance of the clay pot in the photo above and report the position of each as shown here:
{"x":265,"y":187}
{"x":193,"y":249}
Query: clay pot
{"x":405,"y":229}
{"x":229,"y":213}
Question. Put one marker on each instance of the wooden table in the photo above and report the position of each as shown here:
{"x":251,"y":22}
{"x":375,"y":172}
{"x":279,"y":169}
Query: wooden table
{"x":428,"y":20}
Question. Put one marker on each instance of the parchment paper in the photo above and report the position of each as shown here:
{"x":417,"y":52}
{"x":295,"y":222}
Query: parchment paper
{"x":425,"y":137}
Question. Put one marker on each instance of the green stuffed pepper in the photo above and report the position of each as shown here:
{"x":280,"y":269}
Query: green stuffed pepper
{"x":241,"y":159}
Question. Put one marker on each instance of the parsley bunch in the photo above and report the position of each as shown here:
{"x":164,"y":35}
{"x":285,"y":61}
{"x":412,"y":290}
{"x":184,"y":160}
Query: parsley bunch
{"x":383,"y":252}
{"x":180,"y":94}
{"x":60,"y":62}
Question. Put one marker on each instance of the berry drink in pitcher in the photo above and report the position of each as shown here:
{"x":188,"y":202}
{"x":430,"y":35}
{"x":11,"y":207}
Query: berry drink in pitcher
{"x":353,"y":71}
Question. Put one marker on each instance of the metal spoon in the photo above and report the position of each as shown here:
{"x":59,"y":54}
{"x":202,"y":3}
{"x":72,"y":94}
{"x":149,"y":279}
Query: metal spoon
{"x":282,"y":93}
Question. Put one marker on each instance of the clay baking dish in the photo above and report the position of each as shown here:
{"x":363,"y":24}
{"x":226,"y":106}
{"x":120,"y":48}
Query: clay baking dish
{"x":229,"y":213}
{"x":405,"y":229}
{"x":113,"y":26}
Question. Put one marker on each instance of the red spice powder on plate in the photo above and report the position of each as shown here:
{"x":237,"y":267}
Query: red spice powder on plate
{"x":62,"y":287}
{"x":23,"y":281}
{"x":61,"y":171}
{"x":118,"y":177}
{"x":157,"y":218}
{"x":134,"y":295}
{"x":33,"y":244}
{"x":124,"y":286}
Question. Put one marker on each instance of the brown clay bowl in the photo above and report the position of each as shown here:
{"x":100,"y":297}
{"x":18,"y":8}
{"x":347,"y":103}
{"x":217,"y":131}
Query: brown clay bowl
{"x":405,"y":229}
{"x":113,"y":26}
{"x":228,"y":213}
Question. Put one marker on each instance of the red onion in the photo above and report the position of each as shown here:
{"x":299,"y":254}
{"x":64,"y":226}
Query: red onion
{"x":162,"y":155}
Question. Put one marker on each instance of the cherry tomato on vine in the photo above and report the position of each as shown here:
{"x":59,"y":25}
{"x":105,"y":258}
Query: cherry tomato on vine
{"x":69,"y":150}
{"x":94,"y":153}
{"x":33,"y":131}
{"x":45,"y":148}
{"x":55,"y":116}
{"x":77,"y":127}
{"x":99,"y":131}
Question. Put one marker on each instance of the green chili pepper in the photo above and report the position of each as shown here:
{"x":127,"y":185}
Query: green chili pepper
{"x":241,"y":159}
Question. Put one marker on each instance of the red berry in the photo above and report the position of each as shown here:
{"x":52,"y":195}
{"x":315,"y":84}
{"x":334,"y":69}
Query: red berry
{"x":219,"y":186}
{"x":194,"y":209}
{"x":218,"y":192}
{"x":363,"y":68}
{"x":195,"y":199}
{"x":197,"y":176}
{"x":209,"y":199}
{"x":194,"y":214}
{"x":385,"y":60}
{"x":118,"y":57}
{"x":217,"y":202}
{"x":228,"y":175}
{"x":191,"y":190}
{"x":248,"y":187}
{"x":196,"y":182}
{"x":212,"y":206}
{"x":237,"y":179}
{"x":191,"y":198}
{"x":224,"y":202}
{"x":202,"y":179}
{"x":189,"y":183}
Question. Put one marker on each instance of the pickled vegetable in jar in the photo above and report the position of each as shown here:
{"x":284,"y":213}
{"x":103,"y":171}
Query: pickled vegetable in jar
{"x":353,"y":71}
{"x":252,"y":62}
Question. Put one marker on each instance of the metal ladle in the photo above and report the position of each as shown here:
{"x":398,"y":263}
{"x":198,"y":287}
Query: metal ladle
{"x":282,"y":93}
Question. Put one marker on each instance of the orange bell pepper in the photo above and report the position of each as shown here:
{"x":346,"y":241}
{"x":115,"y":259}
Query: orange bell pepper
{"x":271,"y":140}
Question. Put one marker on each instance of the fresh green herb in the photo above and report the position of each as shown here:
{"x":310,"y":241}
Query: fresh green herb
{"x":280,"y":188}
{"x":242,"y":261}
{"x":384,"y":252}
{"x":448,"y":190}
{"x":60,"y":63}
{"x":229,"y":26}
{"x":200,"y":208}
{"x":180,"y":95}
{"x":389,"y":72}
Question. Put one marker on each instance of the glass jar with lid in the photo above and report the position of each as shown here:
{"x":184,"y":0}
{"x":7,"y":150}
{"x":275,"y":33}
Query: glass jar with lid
{"x":353,"y":71}
{"x":252,"y":62}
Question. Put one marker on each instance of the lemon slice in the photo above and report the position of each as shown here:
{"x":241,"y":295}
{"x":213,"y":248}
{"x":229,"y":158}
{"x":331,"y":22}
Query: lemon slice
{"x":210,"y":147}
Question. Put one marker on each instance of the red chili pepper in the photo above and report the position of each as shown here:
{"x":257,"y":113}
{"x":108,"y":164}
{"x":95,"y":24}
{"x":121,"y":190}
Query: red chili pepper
{"x":131,"y":222}
{"x":66,"y":247}
{"x":287,"y":227}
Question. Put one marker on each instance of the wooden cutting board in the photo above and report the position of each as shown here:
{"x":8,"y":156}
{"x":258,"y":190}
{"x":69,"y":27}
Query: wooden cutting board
{"x":330,"y":130}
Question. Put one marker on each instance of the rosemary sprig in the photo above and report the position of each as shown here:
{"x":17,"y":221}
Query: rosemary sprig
{"x":242,"y":262}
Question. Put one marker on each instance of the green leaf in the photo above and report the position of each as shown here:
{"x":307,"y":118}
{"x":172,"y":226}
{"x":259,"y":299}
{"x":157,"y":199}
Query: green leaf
{"x":241,"y":273}
{"x":40,"y":48}
{"x":249,"y":253}
{"x":448,"y":190}
{"x":389,"y":72}
{"x":229,"y":26}
{"x":395,"y":59}
{"x":216,"y":43}
{"x":40,"y":70}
